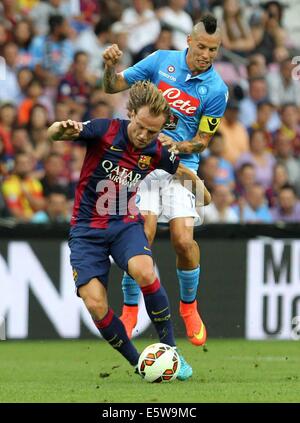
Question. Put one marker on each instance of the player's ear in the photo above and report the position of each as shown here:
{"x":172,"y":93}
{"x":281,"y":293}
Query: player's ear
{"x":189,"y":39}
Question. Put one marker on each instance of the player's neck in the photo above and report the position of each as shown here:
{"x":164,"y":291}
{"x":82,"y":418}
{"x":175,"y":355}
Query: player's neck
{"x":195,"y":72}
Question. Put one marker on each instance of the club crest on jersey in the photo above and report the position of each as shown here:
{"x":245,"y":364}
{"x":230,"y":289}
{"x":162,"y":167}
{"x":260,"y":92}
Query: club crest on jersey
{"x":144,"y":162}
{"x":171,"y":69}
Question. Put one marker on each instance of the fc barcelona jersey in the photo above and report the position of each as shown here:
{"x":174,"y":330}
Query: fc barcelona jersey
{"x":112,"y":170}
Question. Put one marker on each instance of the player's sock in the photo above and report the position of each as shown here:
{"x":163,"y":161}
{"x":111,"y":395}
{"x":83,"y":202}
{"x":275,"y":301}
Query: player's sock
{"x":195,"y":328}
{"x":113,"y":331}
{"x":188,"y":282}
{"x":131,"y":290}
{"x":158,"y":309}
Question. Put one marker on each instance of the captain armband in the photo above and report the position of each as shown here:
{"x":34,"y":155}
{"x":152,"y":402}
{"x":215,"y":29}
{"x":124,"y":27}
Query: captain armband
{"x":209,"y":124}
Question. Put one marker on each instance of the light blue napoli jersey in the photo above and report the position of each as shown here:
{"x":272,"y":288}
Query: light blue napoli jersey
{"x":197,"y":102}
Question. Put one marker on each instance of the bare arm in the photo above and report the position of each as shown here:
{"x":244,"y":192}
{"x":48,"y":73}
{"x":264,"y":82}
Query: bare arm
{"x":113,"y":82}
{"x":194,"y":184}
{"x":196,"y":145}
{"x":66,"y":130}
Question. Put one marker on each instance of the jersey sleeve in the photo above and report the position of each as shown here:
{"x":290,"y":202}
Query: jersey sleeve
{"x":94,"y":129}
{"x":168,"y":161}
{"x":213,"y":112}
{"x":142,"y":70}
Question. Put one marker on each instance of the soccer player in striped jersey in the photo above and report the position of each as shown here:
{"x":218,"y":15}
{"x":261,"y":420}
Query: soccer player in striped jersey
{"x":197,"y":96}
{"x":106,"y":221}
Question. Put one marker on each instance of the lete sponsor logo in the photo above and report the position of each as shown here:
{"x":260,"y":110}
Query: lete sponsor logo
{"x":179,"y":100}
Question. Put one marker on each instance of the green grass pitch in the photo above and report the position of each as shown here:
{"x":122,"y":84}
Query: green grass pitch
{"x":91,"y":371}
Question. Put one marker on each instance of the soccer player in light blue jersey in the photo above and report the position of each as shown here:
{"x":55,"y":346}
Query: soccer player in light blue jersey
{"x":197,"y":96}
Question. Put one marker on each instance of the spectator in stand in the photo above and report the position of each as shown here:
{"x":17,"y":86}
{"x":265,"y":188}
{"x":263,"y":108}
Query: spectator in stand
{"x":142,"y":25}
{"x":54,"y":174}
{"x":20,"y":141}
{"x":56,"y":210}
{"x":280,"y":178}
{"x":9,"y":87}
{"x":263,"y":117}
{"x":258,"y":92}
{"x":4,"y":37}
{"x":175,"y":16}
{"x":62,"y":109}
{"x":288,"y":207}
{"x":33,"y":96}
{"x":245,"y":178}
{"x":75,"y":88}
{"x":253,"y":207}
{"x":90,"y":11}
{"x":283,"y":150}
{"x":22,"y":193}
{"x":24,"y":76}
{"x":7,"y":119}
{"x":236,"y":138}
{"x":290,"y":127}
{"x":23,"y":36}
{"x":220,"y":210}
{"x":41,"y":13}
{"x":256,"y":67}
{"x":102,"y":110}
{"x":282,"y":87}
{"x":9,"y":13}
{"x":163,"y":42}
{"x":6,"y":161}
{"x":76,"y":162}
{"x":225,"y":171}
{"x":119,"y":36}
{"x":113,"y":9}
{"x":236,"y":33}
{"x":93,"y":41}
{"x":262,"y":160}
{"x":269,"y":36}
{"x":25,"y":6}
{"x":53,"y":53}
{"x":208,"y":170}
{"x":37,"y":130}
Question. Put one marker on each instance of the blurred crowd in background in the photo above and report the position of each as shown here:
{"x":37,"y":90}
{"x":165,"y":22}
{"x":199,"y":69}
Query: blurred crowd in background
{"x":51,"y":69}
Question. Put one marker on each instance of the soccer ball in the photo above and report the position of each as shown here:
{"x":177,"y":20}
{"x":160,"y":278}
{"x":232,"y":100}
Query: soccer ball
{"x":159,"y":363}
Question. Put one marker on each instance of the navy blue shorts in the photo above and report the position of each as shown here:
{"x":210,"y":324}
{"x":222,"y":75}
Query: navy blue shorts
{"x":91,"y":248}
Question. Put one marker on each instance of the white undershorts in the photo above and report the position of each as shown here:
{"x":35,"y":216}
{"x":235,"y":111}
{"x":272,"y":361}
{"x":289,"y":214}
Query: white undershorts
{"x":163,"y":195}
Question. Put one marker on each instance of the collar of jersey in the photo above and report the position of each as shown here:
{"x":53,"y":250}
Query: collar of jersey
{"x":202,"y":76}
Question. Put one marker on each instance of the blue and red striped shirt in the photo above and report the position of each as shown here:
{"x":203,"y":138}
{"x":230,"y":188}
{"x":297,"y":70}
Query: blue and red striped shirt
{"x":111,"y":173}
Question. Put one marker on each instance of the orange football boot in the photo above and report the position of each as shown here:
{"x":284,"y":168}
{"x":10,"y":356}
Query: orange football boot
{"x":129,"y":318}
{"x":194,"y":326}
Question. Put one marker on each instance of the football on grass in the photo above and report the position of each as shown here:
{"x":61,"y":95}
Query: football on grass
{"x":159,"y":363}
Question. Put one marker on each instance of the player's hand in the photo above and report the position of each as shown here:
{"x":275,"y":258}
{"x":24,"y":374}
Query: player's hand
{"x":68,"y":129}
{"x":112,"y":55}
{"x":169,"y":143}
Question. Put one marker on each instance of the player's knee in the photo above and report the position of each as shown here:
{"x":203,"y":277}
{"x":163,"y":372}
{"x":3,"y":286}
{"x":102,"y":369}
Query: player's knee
{"x":97,"y":307}
{"x":150,"y":236}
{"x":145,"y":276}
{"x":183,"y":246}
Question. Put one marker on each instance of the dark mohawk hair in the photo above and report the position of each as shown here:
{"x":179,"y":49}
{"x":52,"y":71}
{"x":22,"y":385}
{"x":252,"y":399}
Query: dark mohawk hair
{"x":210,"y":23}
